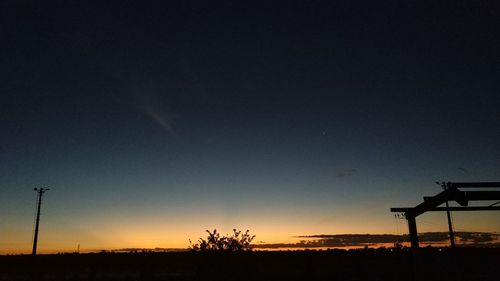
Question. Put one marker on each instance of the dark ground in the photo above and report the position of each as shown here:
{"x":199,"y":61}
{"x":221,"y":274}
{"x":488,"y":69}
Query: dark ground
{"x":381,"y":264}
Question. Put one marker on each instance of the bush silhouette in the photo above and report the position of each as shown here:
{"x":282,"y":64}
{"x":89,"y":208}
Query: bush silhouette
{"x":238,"y":242}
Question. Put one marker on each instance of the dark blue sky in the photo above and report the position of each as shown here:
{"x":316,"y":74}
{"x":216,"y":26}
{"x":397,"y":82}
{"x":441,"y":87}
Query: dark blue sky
{"x":168,"y":118}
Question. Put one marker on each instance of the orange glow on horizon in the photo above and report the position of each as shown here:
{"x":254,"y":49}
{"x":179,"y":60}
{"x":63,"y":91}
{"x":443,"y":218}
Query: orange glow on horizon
{"x":94,"y":234}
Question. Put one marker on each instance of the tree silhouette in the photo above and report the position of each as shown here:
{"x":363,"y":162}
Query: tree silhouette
{"x":237,"y":242}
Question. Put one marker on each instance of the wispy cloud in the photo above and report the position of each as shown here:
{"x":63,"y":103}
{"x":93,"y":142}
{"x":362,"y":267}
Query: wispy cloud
{"x":346,"y":174}
{"x":160,"y":114}
{"x":154,"y":104}
{"x":144,"y":94}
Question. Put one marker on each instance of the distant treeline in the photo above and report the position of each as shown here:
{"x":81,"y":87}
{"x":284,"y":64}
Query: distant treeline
{"x":482,"y":239}
{"x":352,"y":240}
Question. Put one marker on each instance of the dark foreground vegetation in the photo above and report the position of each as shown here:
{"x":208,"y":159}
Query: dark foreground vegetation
{"x":367,"y":264}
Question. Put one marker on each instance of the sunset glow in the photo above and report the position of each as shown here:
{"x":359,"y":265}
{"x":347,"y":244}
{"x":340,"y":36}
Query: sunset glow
{"x":152,"y":124}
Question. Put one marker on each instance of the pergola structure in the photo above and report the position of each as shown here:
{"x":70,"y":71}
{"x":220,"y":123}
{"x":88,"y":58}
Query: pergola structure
{"x":460,"y":192}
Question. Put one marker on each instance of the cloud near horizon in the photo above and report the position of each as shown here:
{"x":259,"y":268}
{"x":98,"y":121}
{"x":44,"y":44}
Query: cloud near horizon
{"x":350,"y":240}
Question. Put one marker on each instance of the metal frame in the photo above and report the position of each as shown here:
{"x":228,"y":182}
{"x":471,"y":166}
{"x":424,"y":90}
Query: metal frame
{"x":451,"y":193}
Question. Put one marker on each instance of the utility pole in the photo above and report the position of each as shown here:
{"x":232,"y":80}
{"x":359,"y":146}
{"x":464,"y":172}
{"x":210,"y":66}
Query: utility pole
{"x":40,"y":192}
{"x":450,"y":226}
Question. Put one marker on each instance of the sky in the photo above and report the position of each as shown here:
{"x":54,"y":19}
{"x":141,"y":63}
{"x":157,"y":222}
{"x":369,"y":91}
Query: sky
{"x":153,"y":121}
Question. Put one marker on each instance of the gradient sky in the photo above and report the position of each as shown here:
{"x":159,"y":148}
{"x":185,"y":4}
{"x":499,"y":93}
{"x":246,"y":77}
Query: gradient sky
{"x":152,"y":123}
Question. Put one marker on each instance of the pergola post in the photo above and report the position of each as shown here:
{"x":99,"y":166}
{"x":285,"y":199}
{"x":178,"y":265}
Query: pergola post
{"x":412,"y":227}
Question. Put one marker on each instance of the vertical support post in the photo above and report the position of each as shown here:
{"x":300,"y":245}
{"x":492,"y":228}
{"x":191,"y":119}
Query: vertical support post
{"x":447,"y":186}
{"x":450,"y":227}
{"x":412,"y":227}
{"x":37,"y":223}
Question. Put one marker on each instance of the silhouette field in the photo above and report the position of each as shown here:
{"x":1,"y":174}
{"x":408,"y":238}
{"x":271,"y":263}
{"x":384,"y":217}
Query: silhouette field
{"x":366,"y":264}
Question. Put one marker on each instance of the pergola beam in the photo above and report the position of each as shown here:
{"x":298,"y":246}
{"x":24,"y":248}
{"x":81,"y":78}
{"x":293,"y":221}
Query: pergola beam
{"x":481,"y":195}
{"x":474,"y":184}
{"x":440,"y":209}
